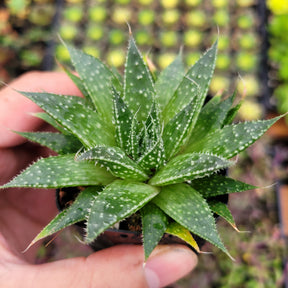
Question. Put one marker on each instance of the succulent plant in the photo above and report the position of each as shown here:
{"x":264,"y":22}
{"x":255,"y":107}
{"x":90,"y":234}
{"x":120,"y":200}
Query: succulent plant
{"x":142,"y":145}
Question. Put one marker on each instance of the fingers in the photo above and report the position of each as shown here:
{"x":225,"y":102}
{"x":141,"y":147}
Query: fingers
{"x":12,"y":161}
{"x":119,"y":266}
{"x":15,"y":109}
{"x":169,"y":263}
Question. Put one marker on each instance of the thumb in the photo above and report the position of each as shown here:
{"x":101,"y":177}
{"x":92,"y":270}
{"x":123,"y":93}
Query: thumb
{"x":119,"y":266}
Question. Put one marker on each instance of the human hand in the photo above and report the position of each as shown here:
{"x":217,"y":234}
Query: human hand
{"x":24,"y":212}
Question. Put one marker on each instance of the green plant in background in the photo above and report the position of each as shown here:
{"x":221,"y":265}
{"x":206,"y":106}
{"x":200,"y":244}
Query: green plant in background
{"x":140,"y":145}
{"x":171,"y":16}
{"x":73,"y":13}
{"x":246,"y":61}
{"x":221,"y":17}
{"x":220,"y":3}
{"x":278,"y":28}
{"x":245,"y":3}
{"x":143,"y":37}
{"x":97,"y":13}
{"x":95,"y":32}
{"x":246,"y":20}
{"x":24,"y":28}
{"x":17,"y":7}
{"x":169,"y":4}
{"x":223,"y":61}
{"x":196,"y":18}
{"x":169,"y":38}
{"x":146,"y":17}
{"x":81,"y":23}
{"x":192,"y":38}
{"x":193,"y":3}
{"x":278,"y":7}
{"x":68,"y":31}
{"x":247,"y":41}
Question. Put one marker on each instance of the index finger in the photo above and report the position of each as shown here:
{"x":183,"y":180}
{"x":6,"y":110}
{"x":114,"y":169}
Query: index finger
{"x":16,"y":110}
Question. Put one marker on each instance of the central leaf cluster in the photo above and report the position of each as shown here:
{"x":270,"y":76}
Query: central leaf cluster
{"x":152,"y":124}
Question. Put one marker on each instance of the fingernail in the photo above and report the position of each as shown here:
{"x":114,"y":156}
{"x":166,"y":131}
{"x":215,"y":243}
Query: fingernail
{"x":167,"y":264}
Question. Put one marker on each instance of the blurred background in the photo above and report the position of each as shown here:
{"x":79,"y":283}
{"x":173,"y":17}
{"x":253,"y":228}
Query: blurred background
{"x":253,"y":57}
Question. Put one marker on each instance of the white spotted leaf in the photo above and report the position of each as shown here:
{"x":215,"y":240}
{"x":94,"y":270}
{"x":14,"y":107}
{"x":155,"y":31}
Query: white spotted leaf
{"x":151,"y":145}
{"x":194,"y":85}
{"x":126,"y":126}
{"x":188,"y":208}
{"x":186,"y":167}
{"x":72,"y":113}
{"x":231,"y":140}
{"x":117,"y":201}
{"x":117,"y":162}
{"x":73,"y":214}
{"x":177,"y":130}
{"x":154,"y":225}
{"x":211,"y":117}
{"x":79,"y":83}
{"x":169,"y":80}
{"x":60,"y":143}
{"x":216,"y":185}
{"x":61,"y":171}
{"x":48,"y":119}
{"x":222,"y":210}
{"x":139,"y":91}
{"x":97,"y":80}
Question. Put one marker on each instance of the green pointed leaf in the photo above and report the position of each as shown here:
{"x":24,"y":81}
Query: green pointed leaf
{"x":222,"y":210}
{"x":151,"y":128}
{"x":61,"y":171}
{"x":181,"y":232}
{"x":48,"y":119}
{"x":177,"y":130}
{"x":78,"y":82}
{"x":116,"y":202}
{"x":153,"y":158}
{"x":139,"y":91}
{"x":134,"y":138}
{"x":194,"y":85}
{"x":154,"y":224}
{"x":60,"y":143}
{"x":211,"y":117}
{"x":231,"y":140}
{"x":151,"y":143}
{"x":72,"y":113}
{"x":231,"y":114}
{"x":125,"y":125}
{"x":215,"y":185}
{"x":117,"y":162}
{"x":97,"y":80}
{"x":168,"y":81}
{"x":187,"y":167}
{"x":75,"y":213}
{"x":187,"y":207}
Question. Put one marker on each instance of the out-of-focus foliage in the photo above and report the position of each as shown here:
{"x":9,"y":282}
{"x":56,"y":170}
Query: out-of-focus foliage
{"x":29,"y":29}
{"x":278,"y":53}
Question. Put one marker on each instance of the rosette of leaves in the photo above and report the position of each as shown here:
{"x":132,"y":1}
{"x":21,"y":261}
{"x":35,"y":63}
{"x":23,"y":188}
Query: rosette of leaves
{"x":141,"y":144}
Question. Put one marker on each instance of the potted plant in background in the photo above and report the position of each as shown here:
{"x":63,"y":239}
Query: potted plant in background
{"x":140,"y":151}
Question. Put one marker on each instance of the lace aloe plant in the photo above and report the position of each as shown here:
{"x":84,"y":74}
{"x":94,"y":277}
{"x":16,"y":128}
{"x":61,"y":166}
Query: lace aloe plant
{"x":141,"y":144}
